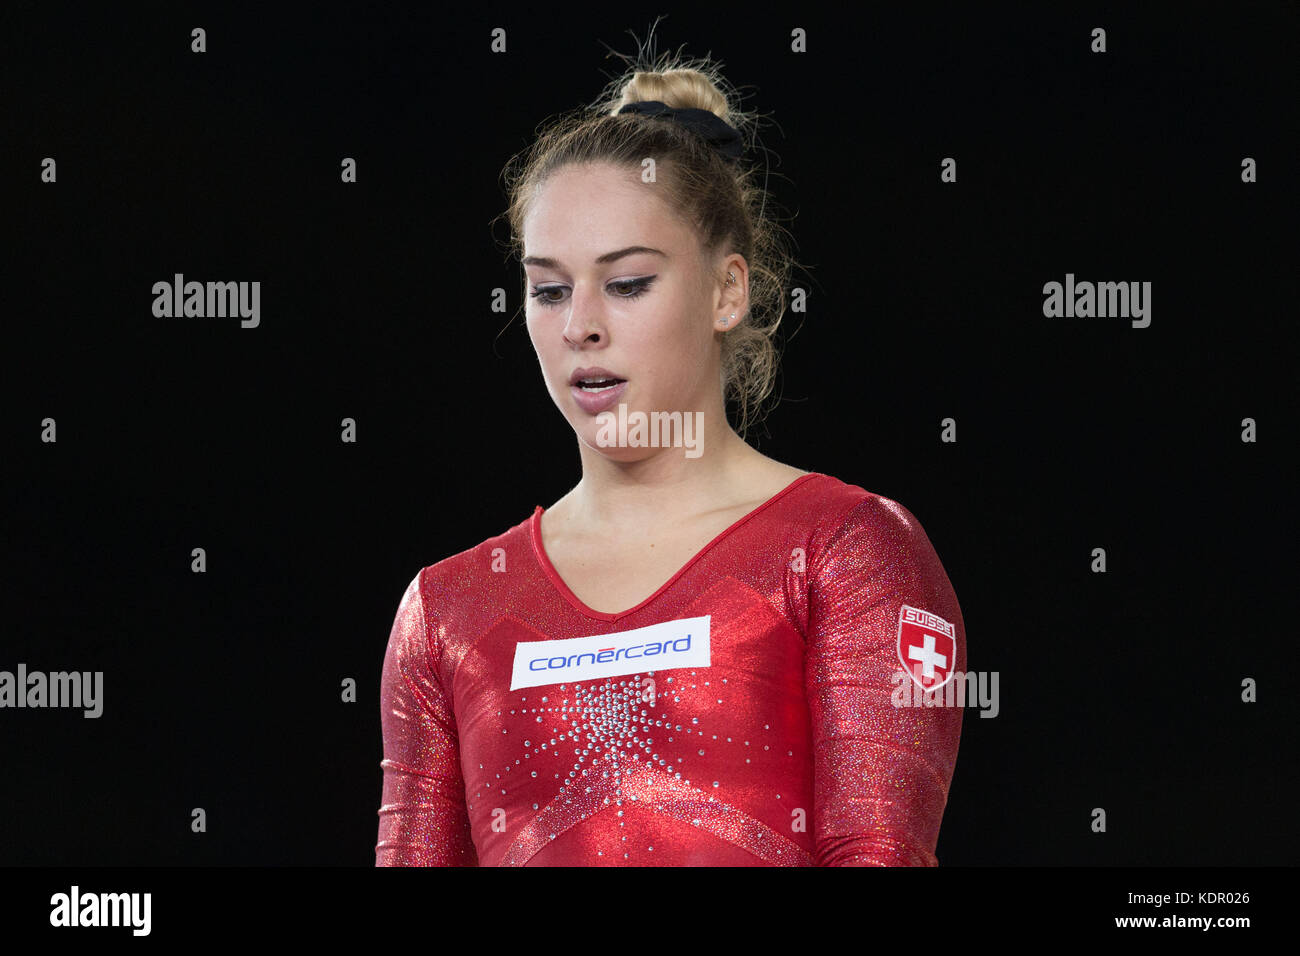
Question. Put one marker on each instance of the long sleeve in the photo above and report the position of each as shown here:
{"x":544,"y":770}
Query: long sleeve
{"x":422,"y":815}
{"x":881,"y":772}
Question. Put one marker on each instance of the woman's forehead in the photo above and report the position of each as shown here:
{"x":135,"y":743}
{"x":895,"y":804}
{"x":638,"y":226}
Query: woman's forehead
{"x":587,"y":212}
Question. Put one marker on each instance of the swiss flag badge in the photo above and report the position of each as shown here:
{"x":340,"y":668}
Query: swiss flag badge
{"x":927,"y":647}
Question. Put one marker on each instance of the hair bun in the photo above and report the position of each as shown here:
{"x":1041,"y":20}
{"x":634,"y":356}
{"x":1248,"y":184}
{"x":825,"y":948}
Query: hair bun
{"x":679,"y":88}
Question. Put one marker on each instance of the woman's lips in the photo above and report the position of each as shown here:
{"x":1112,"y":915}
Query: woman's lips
{"x":595,"y":402}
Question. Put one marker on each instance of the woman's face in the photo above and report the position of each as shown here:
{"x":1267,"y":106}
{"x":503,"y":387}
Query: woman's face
{"x":617,"y":283}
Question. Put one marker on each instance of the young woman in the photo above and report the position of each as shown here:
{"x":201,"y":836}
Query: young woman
{"x":696,"y":655}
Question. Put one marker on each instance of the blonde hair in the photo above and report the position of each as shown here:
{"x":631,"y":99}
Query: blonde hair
{"x":721,"y":199}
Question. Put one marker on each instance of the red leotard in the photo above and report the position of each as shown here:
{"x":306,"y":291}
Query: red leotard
{"x":784,"y":750}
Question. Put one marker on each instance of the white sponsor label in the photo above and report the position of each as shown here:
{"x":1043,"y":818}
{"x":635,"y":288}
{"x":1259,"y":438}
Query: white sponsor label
{"x":659,"y":647}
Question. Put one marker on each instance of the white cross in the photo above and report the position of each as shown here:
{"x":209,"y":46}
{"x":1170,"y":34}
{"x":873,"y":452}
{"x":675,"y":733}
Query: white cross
{"x":928,"y":656}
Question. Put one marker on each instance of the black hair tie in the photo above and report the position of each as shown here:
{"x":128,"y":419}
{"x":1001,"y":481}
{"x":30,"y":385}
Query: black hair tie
{"x":723,"y":137}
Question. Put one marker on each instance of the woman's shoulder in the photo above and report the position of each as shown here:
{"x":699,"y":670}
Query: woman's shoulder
{"x":460,"y":572}
{"x":848,"y":509}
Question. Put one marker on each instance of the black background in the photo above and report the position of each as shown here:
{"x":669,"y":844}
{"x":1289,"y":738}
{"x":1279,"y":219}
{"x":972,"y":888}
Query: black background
{"x":1118,"y":690}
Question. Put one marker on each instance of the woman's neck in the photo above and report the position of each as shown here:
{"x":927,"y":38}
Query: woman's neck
{"x":667,"y":486}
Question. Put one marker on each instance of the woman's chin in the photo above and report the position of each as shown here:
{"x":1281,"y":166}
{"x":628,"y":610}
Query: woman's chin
{"x":630,"y":435}
{"x":606,"y":442}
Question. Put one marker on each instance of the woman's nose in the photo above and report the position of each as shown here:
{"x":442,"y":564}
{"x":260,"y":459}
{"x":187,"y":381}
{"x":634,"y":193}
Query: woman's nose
{"x":584,"y":321}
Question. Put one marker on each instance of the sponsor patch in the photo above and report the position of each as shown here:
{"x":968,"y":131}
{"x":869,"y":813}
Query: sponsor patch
{"x":658,"y":647}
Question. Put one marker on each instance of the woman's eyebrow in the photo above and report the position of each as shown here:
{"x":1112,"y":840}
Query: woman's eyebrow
{"x":546,"y":263}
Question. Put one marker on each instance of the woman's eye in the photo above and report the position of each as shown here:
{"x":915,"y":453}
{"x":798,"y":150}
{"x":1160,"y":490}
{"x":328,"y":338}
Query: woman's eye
{"x":541,"y":294}
{"x":621,"y":289}
{"x":631,"y":288}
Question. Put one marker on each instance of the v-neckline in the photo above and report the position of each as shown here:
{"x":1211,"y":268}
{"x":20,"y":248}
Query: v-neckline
{"x":535,"y":527}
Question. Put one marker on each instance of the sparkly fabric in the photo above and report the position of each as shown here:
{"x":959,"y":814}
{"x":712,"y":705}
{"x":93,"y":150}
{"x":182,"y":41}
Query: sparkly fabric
{"x":786,"y":750}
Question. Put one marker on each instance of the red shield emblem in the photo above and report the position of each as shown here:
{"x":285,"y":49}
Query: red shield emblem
{"x":927,"y":647}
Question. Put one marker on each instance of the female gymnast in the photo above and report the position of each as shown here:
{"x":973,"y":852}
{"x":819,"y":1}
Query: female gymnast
{"x":698,"y":655}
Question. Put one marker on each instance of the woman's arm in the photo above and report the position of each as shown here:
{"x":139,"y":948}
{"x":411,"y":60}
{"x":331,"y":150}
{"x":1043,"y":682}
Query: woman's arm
{"x":422,"y":815}
{"x":881,"y":771}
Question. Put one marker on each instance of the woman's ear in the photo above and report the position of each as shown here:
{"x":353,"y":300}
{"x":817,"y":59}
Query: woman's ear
{"x":733,"y":301}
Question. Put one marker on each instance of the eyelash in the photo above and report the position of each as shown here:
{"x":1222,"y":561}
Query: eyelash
{"x":638,"y":287}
